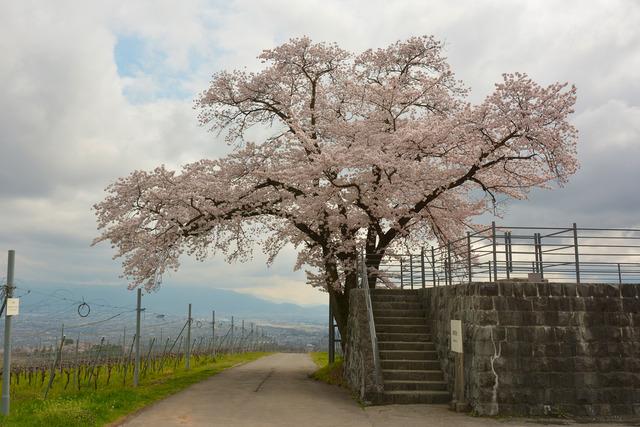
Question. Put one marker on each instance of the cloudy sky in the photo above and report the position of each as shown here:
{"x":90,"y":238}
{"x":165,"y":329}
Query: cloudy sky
{"x":91,"y":90}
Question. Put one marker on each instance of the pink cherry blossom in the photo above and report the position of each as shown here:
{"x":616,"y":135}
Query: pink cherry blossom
{"x":370,"y":151}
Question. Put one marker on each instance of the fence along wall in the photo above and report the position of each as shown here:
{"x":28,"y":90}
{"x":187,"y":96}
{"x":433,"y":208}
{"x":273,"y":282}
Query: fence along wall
{"x":543,"y":348}
{"x":562,"y":254}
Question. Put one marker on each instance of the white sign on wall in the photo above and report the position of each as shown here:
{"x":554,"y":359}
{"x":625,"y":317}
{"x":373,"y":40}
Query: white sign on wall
{"x":456,"y":336}
{"x":13,"y":306}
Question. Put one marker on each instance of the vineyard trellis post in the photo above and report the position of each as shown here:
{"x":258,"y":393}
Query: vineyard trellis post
{"x":187,"y":362}
{"x":213,"y":333}
{"x":6,"y":366}
{"x":136,"y":368}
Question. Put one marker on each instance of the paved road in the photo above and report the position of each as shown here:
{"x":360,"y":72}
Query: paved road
{"x":276,"y":391}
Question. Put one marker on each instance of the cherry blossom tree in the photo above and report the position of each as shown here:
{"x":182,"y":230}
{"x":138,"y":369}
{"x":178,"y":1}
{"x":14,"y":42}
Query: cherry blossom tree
{"x":362,"y":152}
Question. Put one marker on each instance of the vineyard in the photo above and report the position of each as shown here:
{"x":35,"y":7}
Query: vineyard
{"x":93,"y":350}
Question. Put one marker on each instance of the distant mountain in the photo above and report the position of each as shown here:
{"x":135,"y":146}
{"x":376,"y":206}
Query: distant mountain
{"x":174,"y":300}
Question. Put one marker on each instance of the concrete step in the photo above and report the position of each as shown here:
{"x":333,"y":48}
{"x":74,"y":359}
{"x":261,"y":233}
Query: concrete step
{"x":404,"y":337}
{"x":396,"y":291}
{"x":407,"y":320}
{"x":412,"y":375}
{"x":415,"y":365}
{"x":403,"y":345}
{"x":397,"y":312}
{"x":408,"y":355}
{"x":409,"y":329}
{"x":414,"y":385}
{"x":408,"y":397}
{"x":397,"y":305}
{"x":396,"y":298}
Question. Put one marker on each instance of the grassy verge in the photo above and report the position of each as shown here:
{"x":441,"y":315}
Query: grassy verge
{"x":330,"y":373}
{"x":89,"y":407}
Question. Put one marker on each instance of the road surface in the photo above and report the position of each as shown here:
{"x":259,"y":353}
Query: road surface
{"x":276,"y":391}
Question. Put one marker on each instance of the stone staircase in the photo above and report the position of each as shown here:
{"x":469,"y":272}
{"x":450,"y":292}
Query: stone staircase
{"x":408,"y":358}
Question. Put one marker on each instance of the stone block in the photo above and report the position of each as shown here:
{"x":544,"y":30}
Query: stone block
{"x":510,"y":318}
{"x":556,"y":289}
{"x":486,"y":317}
{"x":570,"y":289}
{"x":613,"y":304}
{"x":593,"y":318}
{"x":532,"y":318}
{"x":488,"y":289}
{"x":611,"y":290}
{"x":577,"y":304}
{"x":617,"y":319}
{"x":518,"y":289}
{"x":543,"y":289}
{"x":559,"y":304}
{"x":631,"y":305}
{"x":584,"y":290}
{"x":506,"y":288}
{"x":584,"y":364}
{"x":530,"y":289}
{"x":539,"y":304}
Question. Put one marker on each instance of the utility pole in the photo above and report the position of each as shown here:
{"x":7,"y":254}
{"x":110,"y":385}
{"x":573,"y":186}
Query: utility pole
{"x":136,"y":367}
{"x":6,"y":367}
{"x":188,"y":353}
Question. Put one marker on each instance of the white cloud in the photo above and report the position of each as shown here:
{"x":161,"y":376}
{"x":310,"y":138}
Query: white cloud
{"x":70,"y":123}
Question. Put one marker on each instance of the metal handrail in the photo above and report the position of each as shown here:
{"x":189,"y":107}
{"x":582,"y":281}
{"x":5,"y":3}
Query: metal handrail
{"x":494,"y":253}
{"x":364,"y":284}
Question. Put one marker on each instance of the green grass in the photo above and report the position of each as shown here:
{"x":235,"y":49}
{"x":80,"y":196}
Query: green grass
{"x":89,"y":407}
{"x":330,"y":373}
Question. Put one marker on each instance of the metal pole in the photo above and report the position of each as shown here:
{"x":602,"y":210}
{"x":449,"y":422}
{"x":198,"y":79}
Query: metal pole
{"x":469,"y":255}
{"x":619,"y":274}
{"x":422,"y":266}
{"x":575,"y":245}
{"x":506,"y":253}
{"x":411,"y":269}
{"x":509,"y":253}
{"x":6,"y":367}
{"x":433,"y":265}
{"x":187,"y":364}
{"x":540,"y":256}
{"x":136,"y":366}
{"x":449,"y":263}
{"x":495,"y":255}
{"x":232,"y":331}
{"x":213,"y":332}
{"x":332,"y":336}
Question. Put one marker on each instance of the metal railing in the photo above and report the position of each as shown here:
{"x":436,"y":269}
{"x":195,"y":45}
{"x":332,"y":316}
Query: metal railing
{"x":363,"y":283}
{"x":569,"y":254}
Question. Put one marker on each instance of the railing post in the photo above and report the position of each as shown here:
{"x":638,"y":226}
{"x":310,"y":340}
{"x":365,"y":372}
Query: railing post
{"x":575,"y":245}
{"x":433,"y":266}
{"x":489,"y":262}
{"x":536,"y":268}
{"x":541,"y":268}
{"x":619,"y":274}
{"x":401,"y":273}
{"x":411,"y":270}
{"x":506,"y":254}
{"x":510,"y":253}
{"x":449,"y":262}
{"x":495,"y":255}
{"x":469,"y":255}
{"x":422,"y":266}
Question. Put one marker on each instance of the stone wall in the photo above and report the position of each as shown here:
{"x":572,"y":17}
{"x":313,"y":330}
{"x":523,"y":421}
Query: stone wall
{"x":543,"y":348}
{"x":359,"y":368}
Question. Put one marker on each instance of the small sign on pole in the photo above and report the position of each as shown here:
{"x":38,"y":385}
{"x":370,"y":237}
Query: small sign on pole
{"x":456,"y":336}
{"x":13,"y":306}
